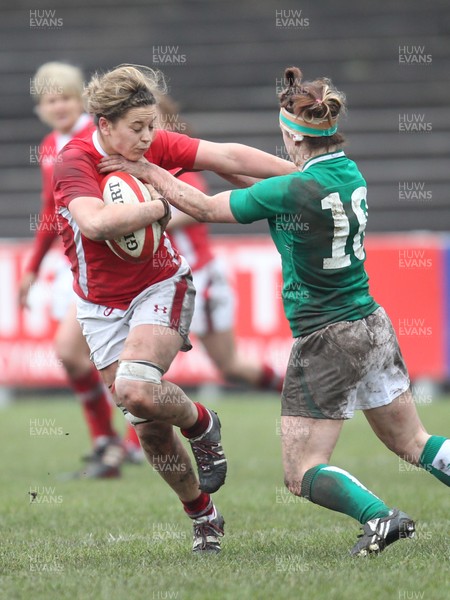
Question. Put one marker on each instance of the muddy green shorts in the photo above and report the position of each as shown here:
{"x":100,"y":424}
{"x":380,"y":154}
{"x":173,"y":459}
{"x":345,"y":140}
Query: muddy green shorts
{"x":344,"y":367}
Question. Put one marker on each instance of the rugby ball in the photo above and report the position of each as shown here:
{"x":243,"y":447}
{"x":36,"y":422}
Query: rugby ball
{"x":137,"y":246}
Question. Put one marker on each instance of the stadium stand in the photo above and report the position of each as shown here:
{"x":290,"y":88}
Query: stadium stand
{"x":224,"y":62}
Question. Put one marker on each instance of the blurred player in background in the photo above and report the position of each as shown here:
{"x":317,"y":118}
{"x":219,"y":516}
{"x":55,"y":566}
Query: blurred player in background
{"x":346,"y":354}
{"x":136,"y":316}
{"x":213,"y":318}
{"x":57,"y":88}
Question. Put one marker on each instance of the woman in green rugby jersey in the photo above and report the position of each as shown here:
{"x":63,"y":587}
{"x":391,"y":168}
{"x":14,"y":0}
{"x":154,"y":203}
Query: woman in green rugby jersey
{"x":345,"y":355}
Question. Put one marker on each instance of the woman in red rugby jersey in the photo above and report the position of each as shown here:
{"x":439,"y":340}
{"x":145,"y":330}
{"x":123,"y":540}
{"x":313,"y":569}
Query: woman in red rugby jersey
{"x":136,"y":316}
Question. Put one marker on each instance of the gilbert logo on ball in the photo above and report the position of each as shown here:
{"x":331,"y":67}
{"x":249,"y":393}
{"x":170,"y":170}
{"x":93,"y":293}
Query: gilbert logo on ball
{"x":136,"y":246}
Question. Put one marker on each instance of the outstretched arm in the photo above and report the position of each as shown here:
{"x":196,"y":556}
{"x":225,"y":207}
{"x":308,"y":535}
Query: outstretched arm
{"x":204,"y":208}
{"x":238,"y":159}
{"x":210,"y":209}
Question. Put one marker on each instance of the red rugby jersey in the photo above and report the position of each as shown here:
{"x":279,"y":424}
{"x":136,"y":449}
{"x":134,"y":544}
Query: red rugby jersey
{"x":100,"y":276}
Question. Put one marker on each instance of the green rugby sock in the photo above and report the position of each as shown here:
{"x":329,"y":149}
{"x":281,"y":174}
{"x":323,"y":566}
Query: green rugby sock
{"x":337,"y":490}
{"x":435,"y":458}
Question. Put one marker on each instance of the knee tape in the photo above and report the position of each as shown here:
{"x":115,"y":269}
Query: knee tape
{"x":138,"y":370}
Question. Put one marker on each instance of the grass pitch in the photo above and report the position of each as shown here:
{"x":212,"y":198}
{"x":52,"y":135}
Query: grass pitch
{"x":129,"y":539}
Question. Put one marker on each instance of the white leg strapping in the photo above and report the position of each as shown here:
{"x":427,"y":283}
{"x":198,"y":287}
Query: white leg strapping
{"x":138,"y":370}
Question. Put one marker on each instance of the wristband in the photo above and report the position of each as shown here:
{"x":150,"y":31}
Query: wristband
{"x":166,"y":207}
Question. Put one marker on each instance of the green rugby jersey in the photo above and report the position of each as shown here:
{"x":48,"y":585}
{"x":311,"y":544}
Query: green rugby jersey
{"x":317,"y":219}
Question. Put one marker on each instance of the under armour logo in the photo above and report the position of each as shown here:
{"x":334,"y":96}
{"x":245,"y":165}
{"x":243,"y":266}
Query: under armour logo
{"x":163,"y":309}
